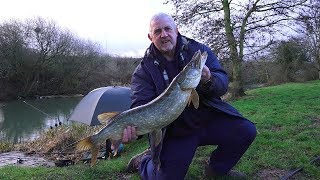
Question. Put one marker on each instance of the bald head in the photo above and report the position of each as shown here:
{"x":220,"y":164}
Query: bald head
{"x":162,"y":16}
{"x":163,"y":34}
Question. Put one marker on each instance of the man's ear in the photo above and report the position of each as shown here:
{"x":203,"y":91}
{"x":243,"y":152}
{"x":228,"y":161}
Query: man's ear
{"x":149,"y":37}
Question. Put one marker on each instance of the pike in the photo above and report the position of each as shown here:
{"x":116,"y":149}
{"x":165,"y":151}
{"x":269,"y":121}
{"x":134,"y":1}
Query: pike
{"x":155,"y":115}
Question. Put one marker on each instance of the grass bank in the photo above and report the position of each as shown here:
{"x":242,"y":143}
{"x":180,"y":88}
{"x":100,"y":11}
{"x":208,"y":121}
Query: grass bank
{"x":288,"y":122}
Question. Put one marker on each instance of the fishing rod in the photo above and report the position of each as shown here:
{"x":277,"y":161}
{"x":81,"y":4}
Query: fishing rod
{"x":37,"y":109}
{"x":293,"y":172}
{"x":34,"y":107}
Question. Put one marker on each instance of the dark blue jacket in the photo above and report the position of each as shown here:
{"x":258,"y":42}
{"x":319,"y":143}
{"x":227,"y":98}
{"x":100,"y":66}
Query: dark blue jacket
{"x":148,"y":82}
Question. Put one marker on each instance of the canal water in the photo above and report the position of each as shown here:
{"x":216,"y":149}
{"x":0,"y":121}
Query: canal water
{"x":24,"y":120}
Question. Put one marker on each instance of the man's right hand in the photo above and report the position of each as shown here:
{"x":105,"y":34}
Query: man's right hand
{"x":129,"y":134}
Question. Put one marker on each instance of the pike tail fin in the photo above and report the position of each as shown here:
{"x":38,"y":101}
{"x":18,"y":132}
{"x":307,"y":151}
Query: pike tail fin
{"x":88,"y":143}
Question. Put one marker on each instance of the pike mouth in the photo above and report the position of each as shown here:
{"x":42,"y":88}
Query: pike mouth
{"x":197,"y":65}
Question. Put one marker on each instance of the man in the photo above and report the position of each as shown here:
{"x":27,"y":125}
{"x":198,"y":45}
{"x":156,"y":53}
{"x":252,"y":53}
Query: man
{"x":213,"y":123}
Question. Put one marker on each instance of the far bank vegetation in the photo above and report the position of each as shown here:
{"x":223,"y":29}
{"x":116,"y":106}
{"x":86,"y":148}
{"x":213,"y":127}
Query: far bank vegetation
{"x":38,"y":58}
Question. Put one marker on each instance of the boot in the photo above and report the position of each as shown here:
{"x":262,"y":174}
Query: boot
{"x":135,"y":161}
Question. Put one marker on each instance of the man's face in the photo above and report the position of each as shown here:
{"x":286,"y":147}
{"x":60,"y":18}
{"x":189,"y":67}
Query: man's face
{"x":164,"y":35}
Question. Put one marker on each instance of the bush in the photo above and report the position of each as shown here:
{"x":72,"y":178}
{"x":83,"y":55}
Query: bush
{"x":6,"y":146}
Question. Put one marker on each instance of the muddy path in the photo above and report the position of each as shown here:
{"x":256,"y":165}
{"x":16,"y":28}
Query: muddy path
{"x":18,"y":158}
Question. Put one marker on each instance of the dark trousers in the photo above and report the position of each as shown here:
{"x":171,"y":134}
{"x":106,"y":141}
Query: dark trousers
{"x":232,"y":135}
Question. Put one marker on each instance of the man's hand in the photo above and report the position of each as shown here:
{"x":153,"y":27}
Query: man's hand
{"x":129,"y":134}
{"x":206,"y":74}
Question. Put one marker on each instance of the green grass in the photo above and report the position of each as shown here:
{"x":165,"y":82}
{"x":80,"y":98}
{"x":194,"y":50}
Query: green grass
{"x":288,"y":122}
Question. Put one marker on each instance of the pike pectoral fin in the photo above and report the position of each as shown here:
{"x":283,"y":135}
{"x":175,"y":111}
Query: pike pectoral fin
{"x":105,"y":117}
{"x":189,"y":101}
{"x":194,"y":98}
{"x":156,"y":146}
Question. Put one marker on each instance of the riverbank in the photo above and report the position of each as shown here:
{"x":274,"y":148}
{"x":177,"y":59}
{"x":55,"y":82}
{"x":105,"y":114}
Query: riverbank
{"x":59,"y":96}
{"x":3,"y":100}
{"x":21,"y":159}
{"x":53,"y":145}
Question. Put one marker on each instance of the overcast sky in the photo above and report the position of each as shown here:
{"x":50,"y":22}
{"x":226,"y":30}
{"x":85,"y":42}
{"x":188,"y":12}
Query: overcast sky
{"x":120,"y":26}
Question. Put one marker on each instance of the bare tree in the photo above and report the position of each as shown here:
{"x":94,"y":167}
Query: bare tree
{"x":310,"y":19}
{"x":13,"y":55}
{"x":291,"y":56}
{"x":30,"y":51}
{"x":237,"y":29}
{"x":82,"y":63}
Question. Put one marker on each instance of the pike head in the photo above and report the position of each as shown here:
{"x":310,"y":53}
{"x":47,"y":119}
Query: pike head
{"x":190,"y":76}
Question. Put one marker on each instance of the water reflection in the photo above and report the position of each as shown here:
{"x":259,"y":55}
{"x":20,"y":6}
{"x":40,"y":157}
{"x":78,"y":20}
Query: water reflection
{"x":24,"y":121}
{"x":1,"y":115}
{"x":2,"y":134}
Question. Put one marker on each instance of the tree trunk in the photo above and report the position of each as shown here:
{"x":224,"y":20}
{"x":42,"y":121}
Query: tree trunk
{"x":318,"y":60}
{"x":236,"y":88}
